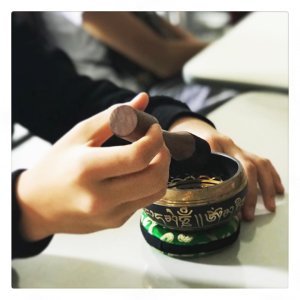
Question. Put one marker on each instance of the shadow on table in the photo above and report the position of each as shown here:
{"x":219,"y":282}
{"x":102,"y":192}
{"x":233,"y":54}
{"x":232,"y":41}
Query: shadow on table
{"x":248,"y":229}
{"x":169,"y":272}
{"x":189,"y":272}
{"x":48,"y":271}
{"x":228,"y":256}
{"x":14,"y":278}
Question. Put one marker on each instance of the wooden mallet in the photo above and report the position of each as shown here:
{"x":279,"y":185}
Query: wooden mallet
{"x":131,"y":124}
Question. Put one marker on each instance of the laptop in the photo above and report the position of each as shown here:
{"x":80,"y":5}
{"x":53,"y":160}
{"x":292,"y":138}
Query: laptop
{"x":253,"y":54}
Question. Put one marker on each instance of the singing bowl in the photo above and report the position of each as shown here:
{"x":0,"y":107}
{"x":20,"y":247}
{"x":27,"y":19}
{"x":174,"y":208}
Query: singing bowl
{"x":202,"y":208}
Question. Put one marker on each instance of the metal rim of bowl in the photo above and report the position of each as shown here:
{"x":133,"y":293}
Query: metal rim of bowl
{"x":208,"y":195}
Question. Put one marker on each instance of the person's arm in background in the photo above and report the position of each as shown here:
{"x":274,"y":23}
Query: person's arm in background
{"x":49,"y":97}
{"x":177,"y":32}
{"x":130,"y":36}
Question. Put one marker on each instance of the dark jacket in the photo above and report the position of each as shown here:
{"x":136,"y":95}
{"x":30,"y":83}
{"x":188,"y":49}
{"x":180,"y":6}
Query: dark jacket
{"x":49,"y":98}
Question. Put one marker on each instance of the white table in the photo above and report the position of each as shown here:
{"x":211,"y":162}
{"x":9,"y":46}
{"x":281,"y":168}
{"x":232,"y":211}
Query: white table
{"x":254,"y":53}
{"x":121,"y":257}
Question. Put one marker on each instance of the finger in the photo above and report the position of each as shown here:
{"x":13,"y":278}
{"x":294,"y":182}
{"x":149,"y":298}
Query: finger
{"x":140,"y":101}
{"x":227,"y":145}
{"x":124,"y":211}
{"x":107,"y":162}
{"x":103,"y":133}
{"x":215,"y":146}
{"x":251,"y":196}
{"x":266,"y":184}
{"x":95,"y":130}
{"x":279,"y":188}
{"x":140,"y":184}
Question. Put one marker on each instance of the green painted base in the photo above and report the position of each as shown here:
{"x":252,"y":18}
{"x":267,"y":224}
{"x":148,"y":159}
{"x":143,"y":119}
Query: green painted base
{"x":191,"y":243}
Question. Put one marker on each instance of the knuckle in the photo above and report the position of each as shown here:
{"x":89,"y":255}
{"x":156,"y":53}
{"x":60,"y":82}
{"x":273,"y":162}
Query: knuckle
{"x":160,"y":178}
{"x":80,"y":170}
{"x":213,"y":143}
{"x":123,"y":160}
{"x":119,"y":222}
{"x":165,"y":177}
{"x":88,"y":206}
{"x":94,"y":206}
{"x":227,"y":140}
{"x":270,"y":194}
{"x":250,"y":167}
{"x":264,"y":162}
{"x":166,"y":155}
{"x":250,"y":203}
{"x":140,"y":157}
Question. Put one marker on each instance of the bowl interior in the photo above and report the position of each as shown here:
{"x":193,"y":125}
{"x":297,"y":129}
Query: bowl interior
{"x":219,"y":165}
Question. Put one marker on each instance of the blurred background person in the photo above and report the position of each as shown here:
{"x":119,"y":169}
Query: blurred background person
{"x":143,"y":51}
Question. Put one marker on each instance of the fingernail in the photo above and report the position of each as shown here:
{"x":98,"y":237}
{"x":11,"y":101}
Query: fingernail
{"x":272,"y":207}
{"x":270,"y":204}
{"x":138,"y":95}
{"x":281,"y":191}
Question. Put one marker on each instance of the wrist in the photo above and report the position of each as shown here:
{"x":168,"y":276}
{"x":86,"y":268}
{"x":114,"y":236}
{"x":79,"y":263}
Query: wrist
{"x":197,"y":127}
{"x":190,"y":124}
{"x":31,"y":223}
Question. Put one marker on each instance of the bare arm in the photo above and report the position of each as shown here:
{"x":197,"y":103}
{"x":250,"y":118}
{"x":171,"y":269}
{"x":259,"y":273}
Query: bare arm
{"x":128,"y":35}
{"x":179,"y":33}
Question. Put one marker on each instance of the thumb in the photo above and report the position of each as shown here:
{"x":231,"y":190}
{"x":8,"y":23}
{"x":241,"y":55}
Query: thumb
{"x":95,"y":130}
{"x":140,"y":102}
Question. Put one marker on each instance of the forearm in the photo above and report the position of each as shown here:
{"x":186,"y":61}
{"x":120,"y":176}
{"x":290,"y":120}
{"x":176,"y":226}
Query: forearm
{"x":127,"y":35}
{"x":131,"y":37}
{"x":199,"y":126}
{"x":177,"y":53}
{"x":179,"y":32}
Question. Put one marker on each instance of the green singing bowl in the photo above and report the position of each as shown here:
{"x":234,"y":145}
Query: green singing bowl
{"x":201,"y":208}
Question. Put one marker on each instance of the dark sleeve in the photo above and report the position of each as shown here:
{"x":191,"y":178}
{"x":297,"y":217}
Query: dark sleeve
{"x":20,"y":247}
{"x":49,"y":97}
